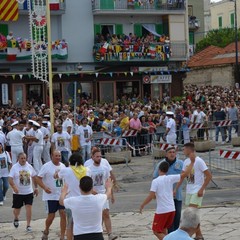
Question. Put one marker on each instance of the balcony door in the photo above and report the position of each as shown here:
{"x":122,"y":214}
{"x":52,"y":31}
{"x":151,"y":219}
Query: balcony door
{"x":107,"y":4}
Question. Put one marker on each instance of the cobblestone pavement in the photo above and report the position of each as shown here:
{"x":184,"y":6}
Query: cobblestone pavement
{"x":220,"y":223}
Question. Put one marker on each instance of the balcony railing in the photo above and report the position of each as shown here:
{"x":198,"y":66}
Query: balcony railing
{"x":139,"y":52}
{"x":58,"y":6}
{"x":18,"y":49}
{"x":139,"y":5}
{"x":193,"y":23}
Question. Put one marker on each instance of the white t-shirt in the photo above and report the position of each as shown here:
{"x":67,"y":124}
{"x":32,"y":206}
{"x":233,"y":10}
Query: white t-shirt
{"x":99,"y":174}
{"x":45,"y":133}
{"x":163,"y":188}
{"x":86,"y":212}
{"x":5,"y":160}
{"x":199,"y":116}
{"x":15,"y":138}
{"x":71,"y":180}
{"x":2,"y":138}
{"x":196,"y":178}
{"x":171,"y":124}
{"x":67,"y":123}
{"x":84,"y":133}
{"x":47,"y":174}
{"x":22,"y":177}
{"x":61,"y":141}
{"x":104,"y":162}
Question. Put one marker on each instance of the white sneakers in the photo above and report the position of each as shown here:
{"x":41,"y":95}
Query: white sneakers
{"x":1,"y":203}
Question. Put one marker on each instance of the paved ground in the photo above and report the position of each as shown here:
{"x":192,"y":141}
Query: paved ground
{"x":221,"y":223}
{"x":220,"y":215}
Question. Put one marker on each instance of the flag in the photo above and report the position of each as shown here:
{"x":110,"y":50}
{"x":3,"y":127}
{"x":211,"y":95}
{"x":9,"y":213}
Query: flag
{"x":8,"y":10}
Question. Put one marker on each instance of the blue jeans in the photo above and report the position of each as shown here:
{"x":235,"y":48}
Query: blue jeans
{"x":65,"y":157}
{"x":176,"y":221}
{"x":3,"y":187}
{"x":86,"y":152}
{"x":222,"y":130}
{"x":235,"y":125}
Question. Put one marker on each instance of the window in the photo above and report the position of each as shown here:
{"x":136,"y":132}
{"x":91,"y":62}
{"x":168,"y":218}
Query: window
{"x":220,"y":22}
{"x":191,"y":38}
{"x":232,"y":20}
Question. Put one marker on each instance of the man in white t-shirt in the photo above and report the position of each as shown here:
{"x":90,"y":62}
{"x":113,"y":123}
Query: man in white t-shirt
{"x":5,"y":164}
{"x":100,"y":173}
{"x":15,"y":138}
{"x":85,"y":137}
{"x":51,"y":192}
{"x":87,"y":209}
{"x":61,"y":141}
{"x":67,"y":124}
{"x":197,"y":180}
{"x":71,"y":176}
{"x":162,"y":190}
{"x":21,"y":178}
{"x":171,"y":135}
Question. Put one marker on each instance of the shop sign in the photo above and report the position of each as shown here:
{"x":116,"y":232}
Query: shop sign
{"x":161,"y":79}
{"x":4,"y":93}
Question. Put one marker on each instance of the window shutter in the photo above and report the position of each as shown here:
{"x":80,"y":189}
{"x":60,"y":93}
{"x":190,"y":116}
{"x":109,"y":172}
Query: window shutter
{"x":97,"y":29}
{"x":191,"y":38}
{"x":159,"y":28}
{"x":220,"y":22}
{"x":118,"y":29}
{"x":4,"y":29}
{"x":232,"y":18}
{"x":138,"y":29}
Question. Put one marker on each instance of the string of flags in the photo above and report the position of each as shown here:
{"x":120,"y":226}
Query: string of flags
{"x":97,"y":74}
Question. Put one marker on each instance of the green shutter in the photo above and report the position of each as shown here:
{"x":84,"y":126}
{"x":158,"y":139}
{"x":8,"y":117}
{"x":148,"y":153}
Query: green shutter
{"x":138,"y":29}
{"x":220,"y":22}
{"x":118,"y":29}
{"x":97,"y":29}
{"x":107,"y":4}
{"x":191,"y":38}
{"x":4,"y":29}
{"x":232,"y":17}
{"x":159,"y":28}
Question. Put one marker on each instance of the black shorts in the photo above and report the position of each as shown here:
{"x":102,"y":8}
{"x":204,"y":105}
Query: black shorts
{"x":89,"y":236}
{"x":53,"y":206}
{"x":20,"y":200}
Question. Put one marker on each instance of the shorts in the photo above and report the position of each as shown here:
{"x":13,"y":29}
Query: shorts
{"x":89,"y":236}
{"x":106,"y":205}
{"x":162,"y":221}
{"x":193,"y":199}
{"x":19,"y":200}
{"x":53,"y":206}
{"x":69,"y":218}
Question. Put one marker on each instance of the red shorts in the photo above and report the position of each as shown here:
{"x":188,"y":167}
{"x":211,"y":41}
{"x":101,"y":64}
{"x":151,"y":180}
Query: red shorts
{"x":162,"y":221}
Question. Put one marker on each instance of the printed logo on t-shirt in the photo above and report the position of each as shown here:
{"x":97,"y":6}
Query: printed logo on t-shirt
{"x":59,"y":182}
{"x":3,"y":163}
{"x":24,"y":178}
{"x":60,"y":142}
{"x":85,"y":133}
{"x":98,"y":180}
{"x":191,"y":177}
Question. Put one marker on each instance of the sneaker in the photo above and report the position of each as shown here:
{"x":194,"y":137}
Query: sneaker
{"x":16,"y":223}
{"x":45,"y":235}
{"x":4,"y":198}
{"x":1,"y":203}
{"x":28,"y":229}
{"x":112,"y":237}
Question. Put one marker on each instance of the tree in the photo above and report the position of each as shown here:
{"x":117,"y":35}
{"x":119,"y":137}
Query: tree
{"x":218,"y":37}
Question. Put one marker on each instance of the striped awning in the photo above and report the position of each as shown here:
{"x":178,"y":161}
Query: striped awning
{"x":8,"y":10}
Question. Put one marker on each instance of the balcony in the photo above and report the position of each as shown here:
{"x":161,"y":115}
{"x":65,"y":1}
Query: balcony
{"x":157,"y":51}
{"x":55,"y":8}
{"x":136,"y":7}
{"x":193,"y":23}
{"x":17,"y":49}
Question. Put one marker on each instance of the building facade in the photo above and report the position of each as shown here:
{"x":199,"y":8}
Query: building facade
{"x":222,"y":14}
{"x":108,"y":71}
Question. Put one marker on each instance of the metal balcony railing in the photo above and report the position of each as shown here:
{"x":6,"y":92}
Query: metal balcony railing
{"x":156,"y":51}
{"x":132,"y":5}
{"x":61,"y":6}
